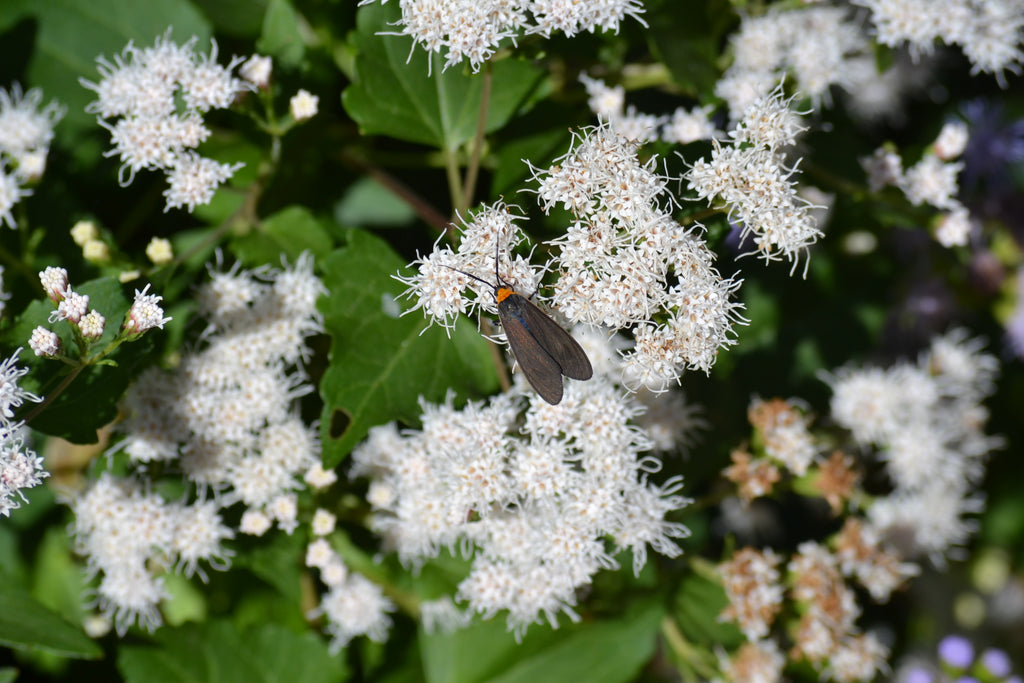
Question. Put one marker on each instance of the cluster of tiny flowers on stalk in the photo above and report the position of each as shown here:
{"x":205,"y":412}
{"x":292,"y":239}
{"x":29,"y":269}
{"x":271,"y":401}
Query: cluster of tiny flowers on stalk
{"x":131,"y":535}
{"x":926,"y":423}
{"x":20,"y":467}
{"x":824,"y":632}
{"x":540,"y":496}
{"x":25,"y":134}
{"x":152,"y":100}
{"x":931,"y":181}
{"x":957,"y":662}
{"x":87,"y":324}
{"x":625,"y":263}
{"x":818,"y":47}
{"x":226,"y":419}
{"x":681,"y":127}
{"x":353,"y":605}
{"x":474,"y":29}
{"x":748,"y":175}
{"x":988,"y":31}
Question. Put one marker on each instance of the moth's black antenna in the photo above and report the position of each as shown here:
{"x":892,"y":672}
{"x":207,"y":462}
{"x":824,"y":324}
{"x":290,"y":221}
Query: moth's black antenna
{"x":478,"y":279}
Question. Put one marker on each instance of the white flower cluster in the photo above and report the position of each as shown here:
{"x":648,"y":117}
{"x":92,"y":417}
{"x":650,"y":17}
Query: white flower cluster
{"x":988,"y":31}
{"x":533,"y":497}
{"x":748,"y":175}
{"x":926,"y":420}
{"x":626,"y":263}
{"x":225,"y":418}
{"x":353,"y":605}
{"x":25,"y":135}
{"x":438,"y":287}
{"x":818,"y":46}
{"x":138,"y":101}
{"x":125,"y":531}
{"x":473,"y":29}
{"x":681,"y":127}
{"x":932,"y":181}
{"x":226,"y":412}
{"x":145,"y":314}
{"x":20,"y":467}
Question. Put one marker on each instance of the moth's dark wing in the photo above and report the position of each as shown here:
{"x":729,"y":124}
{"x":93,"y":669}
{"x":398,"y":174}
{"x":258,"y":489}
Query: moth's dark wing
{"x":559,"y":344}
{"x":541,"y":370}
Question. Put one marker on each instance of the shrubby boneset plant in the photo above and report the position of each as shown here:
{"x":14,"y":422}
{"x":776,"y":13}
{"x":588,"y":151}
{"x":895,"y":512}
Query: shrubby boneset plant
{"x":291,"y":449}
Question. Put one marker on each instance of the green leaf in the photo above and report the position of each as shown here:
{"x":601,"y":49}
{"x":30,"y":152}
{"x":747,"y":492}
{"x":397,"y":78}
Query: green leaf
{"x":273,"y":560}
{"x":367,"y":203}
{"x":288,"y":232}
{"x":90,"y":400}
{"x":404,"y":97}
{"x":8,"y":675}
{"x":481,"y":651}
{"x":57,"y":580}
{"x":698,"y":602}
{"x":241,"y":18}
{"x":185,"y":601}
{"x":610,"y":651}
{"x":281,"y":38}
{"x":688,"y":35}
{"x":72,"y":34}
{"x":540,"y":145}
{"x":381,"y":362}
{"x":26,"y":624}
{"x":218,"y":653}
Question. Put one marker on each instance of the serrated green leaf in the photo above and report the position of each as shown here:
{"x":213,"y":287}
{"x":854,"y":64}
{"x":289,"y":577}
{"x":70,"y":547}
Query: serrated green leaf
{"x":281,"y":37}
{"x":698,"y":602}
{"x":403,"y":97}
{"x":90,"y":401}
{"x":288,"y":232}
{"x":610,"y":651}
{"x":26,"y":624}
{"x":72,"y":34}
{"x":217,"y":653}
{"x":381,"y":362}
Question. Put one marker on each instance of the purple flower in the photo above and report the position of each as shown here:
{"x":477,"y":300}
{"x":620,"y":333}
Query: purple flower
{"x":1015,"y":324}
{"x":996,"y":662}
{"x":918,"y":675}
{"x":956,"y":651}
{"x":992,"y":146}
{"x":987,"y":185}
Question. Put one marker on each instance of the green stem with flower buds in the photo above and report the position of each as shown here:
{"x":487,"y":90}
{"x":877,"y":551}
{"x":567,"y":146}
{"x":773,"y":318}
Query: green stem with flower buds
{"x":78,"y":367}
